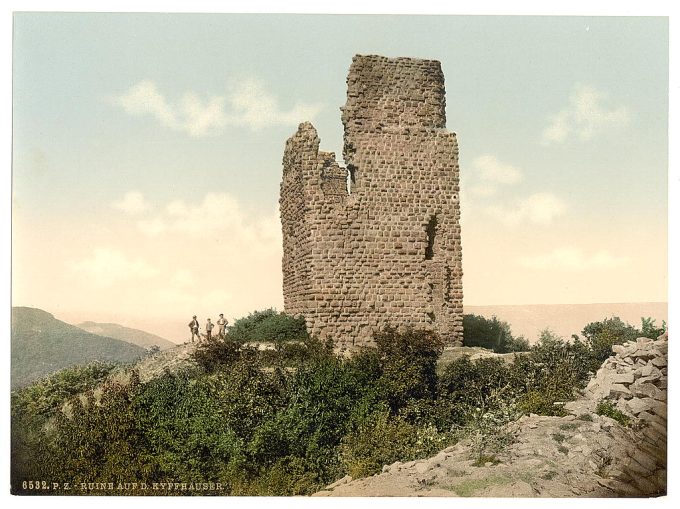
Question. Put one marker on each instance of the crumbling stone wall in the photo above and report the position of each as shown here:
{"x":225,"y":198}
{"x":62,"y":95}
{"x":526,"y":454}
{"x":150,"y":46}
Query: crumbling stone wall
{"x":635,"y":380}
{"x":376,"y":242}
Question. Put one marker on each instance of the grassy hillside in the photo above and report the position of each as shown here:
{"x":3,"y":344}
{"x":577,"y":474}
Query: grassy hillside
{"x":134,"y":336}
{"x":41,"y":344}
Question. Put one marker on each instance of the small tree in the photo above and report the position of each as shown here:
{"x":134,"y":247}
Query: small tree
{"x":492,"y":334}
{"x":601,"y":336}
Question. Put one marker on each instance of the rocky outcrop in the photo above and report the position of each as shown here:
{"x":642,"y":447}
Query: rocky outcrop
{"x":635,"y":381}
{"x":582,"y":454}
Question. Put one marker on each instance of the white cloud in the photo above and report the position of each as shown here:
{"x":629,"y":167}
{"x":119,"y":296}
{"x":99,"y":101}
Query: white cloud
{"x":538,"y":208}
{"x":483,"y":190}
{"x":133,"y":203}
{"x":574,"y":259}
{"x":247,"y":104}
{"x":107,"y":266}
{"x":587,"y":115}
{"x":490,"y":169}
{"x":253,"y":106}
{"x":218,"y":217}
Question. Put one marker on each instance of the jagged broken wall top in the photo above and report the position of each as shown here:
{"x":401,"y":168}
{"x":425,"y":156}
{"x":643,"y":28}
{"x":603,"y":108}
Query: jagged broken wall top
{"x":388,"y":250}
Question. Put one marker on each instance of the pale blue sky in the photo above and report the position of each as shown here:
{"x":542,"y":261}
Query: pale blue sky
{"x":561,"y":121}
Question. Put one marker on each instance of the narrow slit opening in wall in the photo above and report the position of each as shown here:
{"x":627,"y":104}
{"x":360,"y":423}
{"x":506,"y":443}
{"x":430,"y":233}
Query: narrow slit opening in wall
{"x":431,"y":231}
{"x":351,"y":177}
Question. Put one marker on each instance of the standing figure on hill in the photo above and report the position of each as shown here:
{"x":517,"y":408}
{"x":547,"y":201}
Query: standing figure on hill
{"x":193,"y":326}
{"x":208,"y":329}
{"x":222,"y":324}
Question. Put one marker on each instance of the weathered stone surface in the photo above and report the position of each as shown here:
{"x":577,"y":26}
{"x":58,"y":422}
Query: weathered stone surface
{"x":388,"y":249}
{"x":659,"y":362}
{"x":618,"y":390}
{"x":648,"y":390}
{"x":623,"y":378}
{"x":619,"y":349}
{"x":637,"y":405}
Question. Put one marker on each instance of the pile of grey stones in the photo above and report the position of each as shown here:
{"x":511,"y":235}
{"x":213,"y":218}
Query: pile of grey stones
{"x":635,"y":381}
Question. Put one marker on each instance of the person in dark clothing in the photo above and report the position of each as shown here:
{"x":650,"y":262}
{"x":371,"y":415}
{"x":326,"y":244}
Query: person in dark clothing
{"x":193,"y":326}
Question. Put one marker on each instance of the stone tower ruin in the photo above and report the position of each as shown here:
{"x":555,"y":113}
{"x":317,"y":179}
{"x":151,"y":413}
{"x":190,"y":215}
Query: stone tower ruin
{"x":376,"y":242}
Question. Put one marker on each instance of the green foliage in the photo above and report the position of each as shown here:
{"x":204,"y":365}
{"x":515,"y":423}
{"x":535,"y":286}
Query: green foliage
{"x":607,"y":409}
{"x":45,"y":396}
{"x":601,"y":336}
{"x":216,"y":354}
{"x":559,"y":437}
{"x":408,"y":363}
{"x":492,"y":334}
{"x":467,"y":385}
{"x":551,"y":373}
{"x":268,"y":325}
{"x":99,"y":440}
{"x":290,"y":420}
{"x":36,"y":405}
{"x":649,"y":328}
{"x":379,"y":439}
{"x":487,"y":429}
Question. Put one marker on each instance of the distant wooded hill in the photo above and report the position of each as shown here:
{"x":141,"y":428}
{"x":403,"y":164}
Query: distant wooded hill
{"x":134,"y":336}
{"x":41,"y":344}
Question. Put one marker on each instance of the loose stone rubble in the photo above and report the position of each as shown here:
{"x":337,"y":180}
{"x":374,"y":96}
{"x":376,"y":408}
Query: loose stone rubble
{"x":582,"y":454}
{"x":376,"y":242}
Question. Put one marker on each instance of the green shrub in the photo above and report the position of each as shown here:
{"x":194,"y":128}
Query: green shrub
{"x":268,"y":325}
{"x":466,"y":385}
{"x":45,"y":396}
{"x":290,"y":475}
{"x":486,"y":428}
{"x":287,"y":421}
{"x":326,"y":396}
{"x":552,"y":372}
{"x":379,"y":440}
{"x":408,"y":362}
{"x":100,"y":440}
{"x":649,"y":328}
{"x":607,"y":409}
{"x":492,"y":334}
{"x":216,"y":354}
{"x":601,"y":336}
{"x":34,"y":407}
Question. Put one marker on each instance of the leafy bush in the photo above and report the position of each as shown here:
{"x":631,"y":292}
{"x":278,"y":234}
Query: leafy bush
{"x":649,"y":328}
{"x":99,"y":440}
{"x":408,"y":362}
{"x":551,"y":373}
{"x":35,"y":406}
{"x":381,"y":439}
{"x":607,"y":409}
{"x":290,"y":420}
{"x":601,"y":336}
{"x":467,"y":385}
{"x":487,"y":428}
{"x":268,"y":325}
{"x":213,"y":355}
{"x":492,"y":334}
